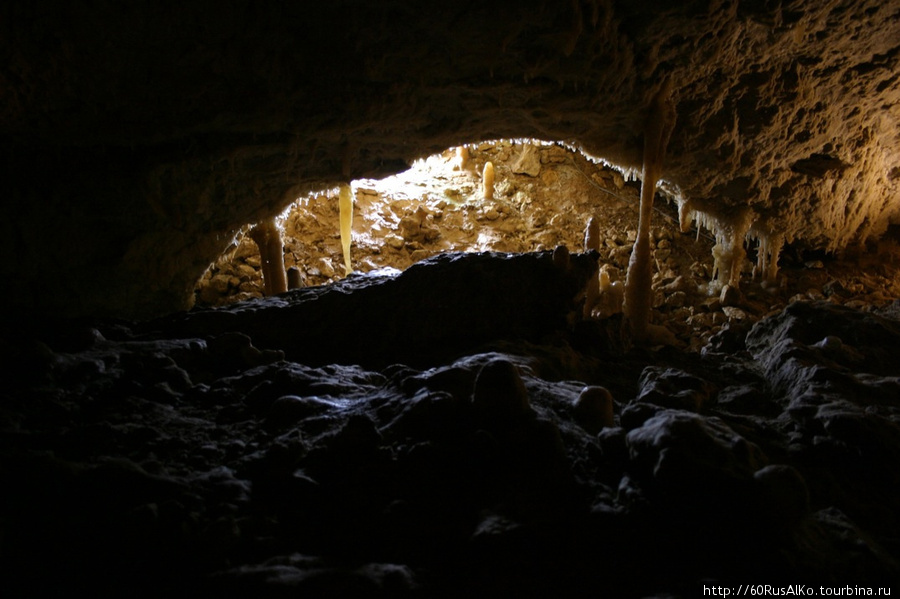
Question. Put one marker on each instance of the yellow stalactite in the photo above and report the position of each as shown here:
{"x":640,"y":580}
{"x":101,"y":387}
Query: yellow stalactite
{"x":346,"y":205}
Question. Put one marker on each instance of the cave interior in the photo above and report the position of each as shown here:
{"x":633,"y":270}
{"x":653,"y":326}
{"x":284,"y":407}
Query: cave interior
{"x":587,"y":298}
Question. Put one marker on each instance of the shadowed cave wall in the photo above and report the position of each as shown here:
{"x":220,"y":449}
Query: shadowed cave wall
{"x":136,"y":139}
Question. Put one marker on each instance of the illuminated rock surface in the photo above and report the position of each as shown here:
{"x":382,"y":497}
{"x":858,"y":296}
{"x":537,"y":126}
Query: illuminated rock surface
{"x":144,"y":137}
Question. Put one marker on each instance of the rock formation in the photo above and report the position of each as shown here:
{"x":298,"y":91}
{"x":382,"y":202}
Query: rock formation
{"x":264,"y":449}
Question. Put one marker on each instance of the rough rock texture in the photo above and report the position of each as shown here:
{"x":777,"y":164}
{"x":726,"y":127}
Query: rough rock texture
{"x":182,"y":457}
{"x":140,"y":137}
{"x":519,"y":296}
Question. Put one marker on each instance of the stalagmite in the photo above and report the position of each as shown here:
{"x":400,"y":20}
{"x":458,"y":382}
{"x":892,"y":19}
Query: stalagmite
{"x":591,"y":297}
{"x":603,"y":297}
{"x":462,"y":158}
{"x":294,"y":279}
{"x":638,"y":290}
{"x":592,"y":235}
{"x":267,"y":236}
{"x":593,"y":409}
{"x":561,"y":257}
{"x":612,"y":294}
{"x":346,"y":205}
{"x":487,"y":181}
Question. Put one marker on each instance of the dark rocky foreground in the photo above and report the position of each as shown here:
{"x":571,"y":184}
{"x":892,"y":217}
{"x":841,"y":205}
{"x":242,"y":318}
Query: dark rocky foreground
{"x":429,"y":434}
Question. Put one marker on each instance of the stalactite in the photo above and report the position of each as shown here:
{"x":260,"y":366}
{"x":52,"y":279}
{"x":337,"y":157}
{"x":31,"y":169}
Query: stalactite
{"x":685,"y":216}
{"x":729,"y":253}
{"x":267,"y":237}
{"x":730,"y":231}
{"x":638,"y":290}
{"x":773,"y":250}
{"x":770,"y":245}
{"x":346,"y":206}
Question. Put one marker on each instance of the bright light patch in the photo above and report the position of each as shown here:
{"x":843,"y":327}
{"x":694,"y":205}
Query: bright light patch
{"x":544,"y":195}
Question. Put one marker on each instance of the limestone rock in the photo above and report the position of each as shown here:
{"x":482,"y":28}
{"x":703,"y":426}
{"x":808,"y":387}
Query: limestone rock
{"x":784,"y":494}
{"x":593,"y":409}
{"x":472,"y":471}
{"x":528,"y":161}
{"x":499,"y":397}
{"x":671,"y":388}
{"x":695,"y":461}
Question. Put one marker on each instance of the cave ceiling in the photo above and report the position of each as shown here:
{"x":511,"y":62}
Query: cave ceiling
{"x":137,"y":137}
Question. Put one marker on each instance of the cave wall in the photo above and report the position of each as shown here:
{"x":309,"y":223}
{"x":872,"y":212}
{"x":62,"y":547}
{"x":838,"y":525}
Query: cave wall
{"x":137,"y":137}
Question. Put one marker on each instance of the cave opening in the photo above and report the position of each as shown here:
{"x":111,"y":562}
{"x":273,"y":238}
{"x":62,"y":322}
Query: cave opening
{"x":708,"y":274}
{"x":544,"y":196}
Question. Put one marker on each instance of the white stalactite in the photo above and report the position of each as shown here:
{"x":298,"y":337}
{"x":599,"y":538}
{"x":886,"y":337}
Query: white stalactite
{"x":638,"y":283}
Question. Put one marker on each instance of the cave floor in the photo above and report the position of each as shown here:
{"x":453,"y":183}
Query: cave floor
{"x":430,"y":433}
